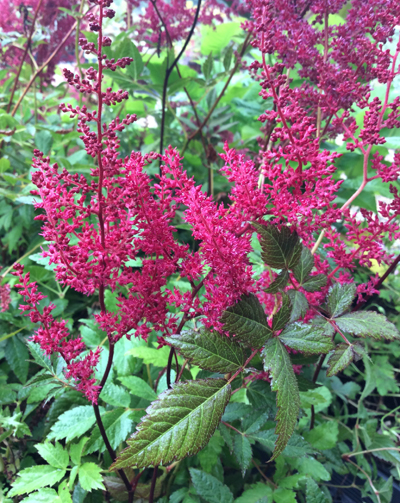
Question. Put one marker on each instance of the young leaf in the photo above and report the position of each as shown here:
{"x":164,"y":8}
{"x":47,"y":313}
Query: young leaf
{"x":340,"y":298}
{"x":178,"y":424}
{"x":228,"y":58}
{"x":35,"y":477}
{"x":368,"y":324}
{"x":304,"y":266}
{"x":42,"y":496}
{"x":246,"y":320}
{"x":115,"y":395}
{"x":118,"y":425}
{"x":306,"y":338}
{"x":210,"y":488}
{"x":324,"y":436}
{"x":73,"y":423}
{"x":242,"y":451}
{"x":208,"y":66}
{"x":138,"y":387}
{"x":17,"y":357}
{"x":280,"y":249}
{"x":256,"y":494}
{"x":314,"y":283}
{"x":277,"y":362}
{"x":90,"y":477}
{"x":283,"y":315}
{"x":209,"y":350}
{"x":279,"y":282}
{"x":55,"y":455}
{"x":299,"y":305}
{"x":340,"y":359}
{"x":75,"y":451}
{"x":314,"y":493}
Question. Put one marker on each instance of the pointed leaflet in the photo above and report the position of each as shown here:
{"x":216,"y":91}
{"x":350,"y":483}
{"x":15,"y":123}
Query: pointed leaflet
{"x":315,"y":283}
{"x":299,"y":304}
{"x":279,"y":283}
{"x":210,"y":488}
{"x":340,"y":359}
{"x":340,"y":298}
{"x":242,"y":451}
{"x":280,"y":249}
{"x":283,"y":315}
{"x":304,"y":266}
{"x":277,"y":362}
{"x":306,"y":338}
{"x":368,"y":324}
{"x":209,"y":350}
{"x":246,"y":320}
{"x":324,"y":324}
{"x":178,"y":424}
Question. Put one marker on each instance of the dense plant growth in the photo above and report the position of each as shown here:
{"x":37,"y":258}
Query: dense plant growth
{"x":199,"y":290}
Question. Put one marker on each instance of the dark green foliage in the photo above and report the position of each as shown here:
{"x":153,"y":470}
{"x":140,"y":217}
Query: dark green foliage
{"x":178,"y":424}
{"x":209,"y":350}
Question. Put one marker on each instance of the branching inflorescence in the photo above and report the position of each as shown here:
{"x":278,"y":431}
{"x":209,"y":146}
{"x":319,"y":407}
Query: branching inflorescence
{"x":96,"y":226}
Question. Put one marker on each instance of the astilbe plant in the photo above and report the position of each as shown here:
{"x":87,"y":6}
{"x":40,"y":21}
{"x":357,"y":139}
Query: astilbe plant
{"x":96,"y":225}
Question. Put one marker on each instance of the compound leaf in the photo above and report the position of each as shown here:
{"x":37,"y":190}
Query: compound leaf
{"x":368,"y":323}
{"x":277,"y":362}
{"x":209,"y":350}
{"x":304,"y":266}
{"x":314,"y":283}
{"x":90,"y":477}
{"x":306,"y":338}
{"x":299,"y":304}
{"x":35,"y":477}
{"x":242,"y":451}
{"x":283,"y":315}
{"x":55,"y":455}
{"x":210,"y":488}
{"x":279,"y":249}
{"x":178,"y":424}
{"x":340,"y":298}
{"x":279,"y":282}
{"x":340,"y":359}
{"x":246,"y":320}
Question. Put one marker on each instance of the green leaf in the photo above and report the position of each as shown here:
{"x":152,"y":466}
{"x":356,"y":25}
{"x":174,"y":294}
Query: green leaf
{"x":324,"y":436}
{"x":340,"y":358}
{"x":314,"y":493}
{"x":283,"y":315}
{"x":117,"y":424}
{"x":282,"y":495}
{"x":115,"y":395}
{"x":324,"y":324}
{"x":368,"y":324}
{"x":35,"y":477}
{"x":255,"y":493}
{"x":44,"y":141}
{"x":299,"y":304}
{"x":39,"y":356}
{"x":246,"y":320}
{"x":178,"y":424}
{"x":208,"y":66}
{"x":139,"y":387}
{"x":55,"y":455}
{"x":227,"y":61}
{"x":210,"y":488}
{"x":17,"y":357}
{"x":157,"y":357}
{"x":73,"y":423}
{"x":279,"y":282}
{"x":63,"y":492}
{"x":315,"y":283}
{"x":128,"y":49}
{"x":305,"y":384}
{"x":296,"y":446}
{"x":42,"y":496}
{"x":277,"y":362}
{"x":304,"y":266}
{"x":209,"y":350}
{"x":340,"y":298}
{"x":90,"y":477}
{"x":242,"y":451}
{"x":312,"y":468}
{"x":306,"y":338}
{"x":75,"y":451}
{"x":279,"y":249}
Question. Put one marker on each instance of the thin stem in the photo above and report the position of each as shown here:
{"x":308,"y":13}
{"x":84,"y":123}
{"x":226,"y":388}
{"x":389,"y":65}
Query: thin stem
{"x":3,"y":274}
{"x":169,"y":364}
{"x":153,"y":484}
{"x":351,"y":454}
{"x":244,"y":47}
{"x":28,"y":44}
{"x":181,"y":371}
{"x":376,"y":492}
{"x":168,"y":73}
{"x":231,"y":427}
